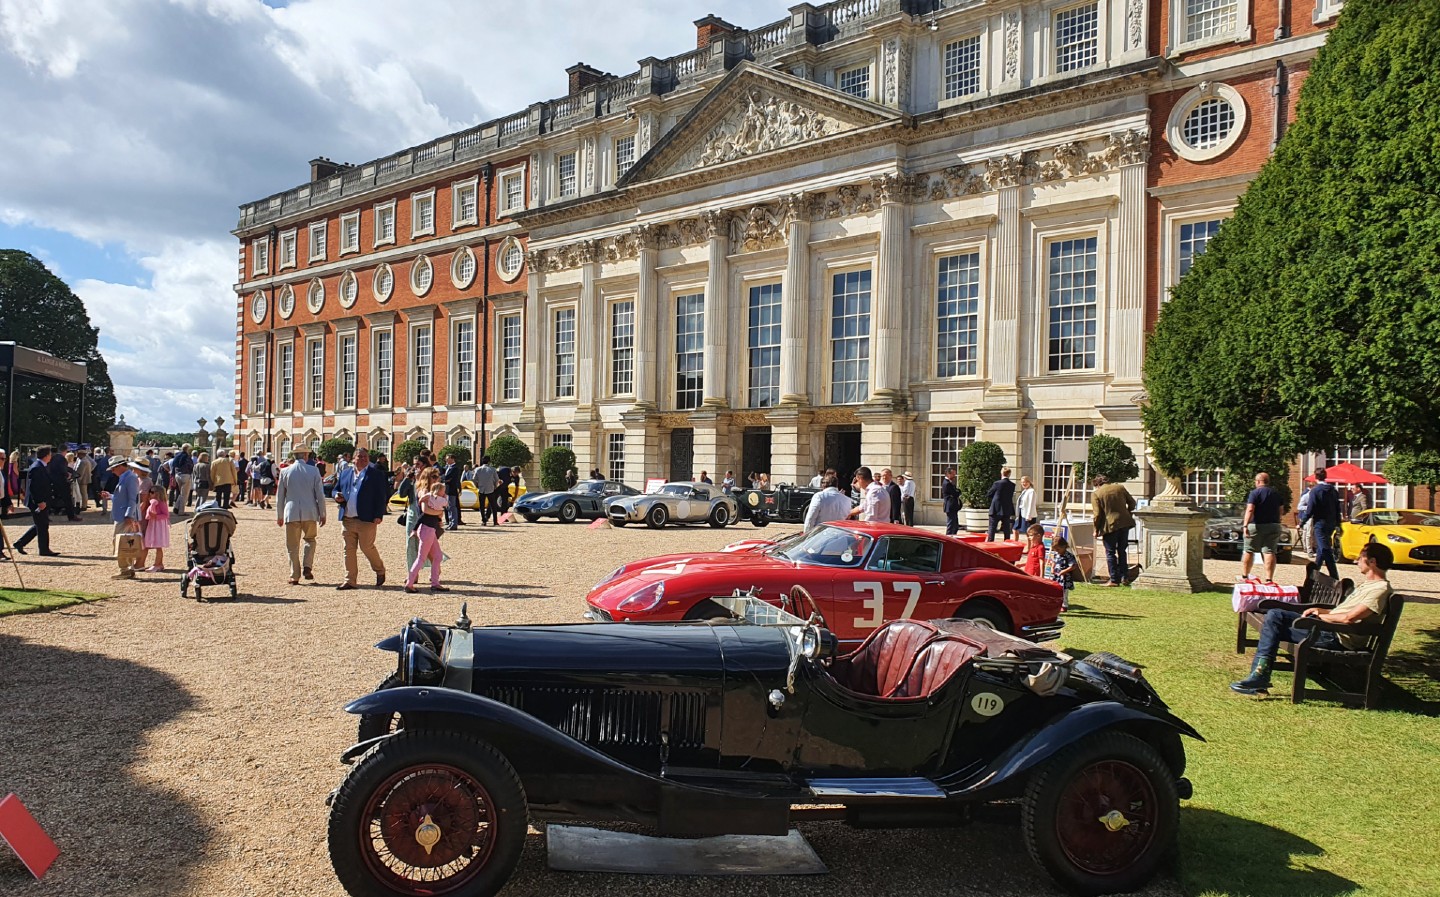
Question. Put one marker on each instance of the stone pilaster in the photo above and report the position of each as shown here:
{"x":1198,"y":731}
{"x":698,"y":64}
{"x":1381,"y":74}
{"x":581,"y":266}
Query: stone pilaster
{"x":713,"y":451}
{"x":642,"y":448}
{"x":1005,"y":428}
{"x":886,"y":438}
{"x":647,"y":316}
{"x":1127,"y":322}
{"x":790,"y":457}
{"x":794,"y":304}
{"x":589,"y":326}
{"x":531,"y":417}
{"x":1003,"y":342}
{"x":888,"y":304}
{"x":717,"y":313}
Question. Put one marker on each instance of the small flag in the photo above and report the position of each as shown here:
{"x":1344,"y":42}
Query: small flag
{"x":25,"y":836}
{"x":505,"y":518}
{"x":599,"y":523}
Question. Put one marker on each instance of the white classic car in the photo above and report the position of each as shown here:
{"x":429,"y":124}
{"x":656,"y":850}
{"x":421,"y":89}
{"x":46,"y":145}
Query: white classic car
{"x":674,"y":503}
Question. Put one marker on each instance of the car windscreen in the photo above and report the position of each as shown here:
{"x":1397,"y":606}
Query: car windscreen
{"x":675,"y":489}
{"x":1400,"y":518}
{"x":827,"y":546}
{"x":591,"y":487}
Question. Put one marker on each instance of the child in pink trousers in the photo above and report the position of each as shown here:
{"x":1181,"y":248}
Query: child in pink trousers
{"x":157,"y":530}
{"x":430,"y":494}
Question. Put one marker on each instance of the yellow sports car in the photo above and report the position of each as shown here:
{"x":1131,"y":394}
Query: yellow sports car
{"x":1413,"y":536}
{"x":469,"y":497}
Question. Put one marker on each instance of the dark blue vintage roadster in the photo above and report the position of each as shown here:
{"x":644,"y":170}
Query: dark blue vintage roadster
{"x":730,"y":726}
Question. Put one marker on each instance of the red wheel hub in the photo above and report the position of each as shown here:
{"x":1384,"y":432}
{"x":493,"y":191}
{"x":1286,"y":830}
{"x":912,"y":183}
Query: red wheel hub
{"x":1105,"y":820}
{"x":428,"y":830}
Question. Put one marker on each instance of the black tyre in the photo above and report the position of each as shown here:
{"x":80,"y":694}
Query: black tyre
{"x":719,"y":516}
{"x":569,"y":512}
{"x":373,"y":725}
{"x":658,"y":517}
{"x":985,"y":615}
{"x":1101,"y":816}
{"x":529,"y":518}
{"x":428,"y":812}
{"x":759,"y":519}
{"x":708,"y":611}
{"x":1340,"y":551}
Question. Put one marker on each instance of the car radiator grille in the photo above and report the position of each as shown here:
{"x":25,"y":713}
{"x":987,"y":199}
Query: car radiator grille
{"x":1426,"y":553}
{"x":612,"y":716}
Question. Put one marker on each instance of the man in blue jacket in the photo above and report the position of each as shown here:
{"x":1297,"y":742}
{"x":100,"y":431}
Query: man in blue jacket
{"x":1324,"y":516}
{"x":39,"y":498}
{"x":1002,"y":505}
{"x":362,"y":493}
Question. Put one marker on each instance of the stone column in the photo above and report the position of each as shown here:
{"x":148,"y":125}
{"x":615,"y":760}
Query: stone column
{"x":794,"y":304}
{"x":1004,"y":338}
{"x":589,"y":325}
{"x":1127,"y":323}
{"x":647,"y":317}
{"x":888,"y":308}
{"x":717,"y":312}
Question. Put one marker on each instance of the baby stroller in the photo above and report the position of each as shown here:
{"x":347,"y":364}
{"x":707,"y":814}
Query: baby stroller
{"x":210,"y":559}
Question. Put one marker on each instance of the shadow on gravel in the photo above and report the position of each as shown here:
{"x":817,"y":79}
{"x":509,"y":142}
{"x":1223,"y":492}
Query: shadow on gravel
{"x":73,"y":723}
{"x":1224,"y":854}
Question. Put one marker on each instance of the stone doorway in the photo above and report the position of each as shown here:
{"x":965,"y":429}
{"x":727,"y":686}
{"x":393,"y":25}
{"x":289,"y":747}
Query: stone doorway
{"x":754,"y":452}
{"x":682,"y":455}
{"x":842,"y":451}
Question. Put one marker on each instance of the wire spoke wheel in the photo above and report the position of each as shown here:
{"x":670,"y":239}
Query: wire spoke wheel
{"x":428,"y":830}
{"x":1106,"y":817}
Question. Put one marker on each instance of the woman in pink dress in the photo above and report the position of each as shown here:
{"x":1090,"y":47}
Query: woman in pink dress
{"x":157,"y":529}
{"x":431,"y":503}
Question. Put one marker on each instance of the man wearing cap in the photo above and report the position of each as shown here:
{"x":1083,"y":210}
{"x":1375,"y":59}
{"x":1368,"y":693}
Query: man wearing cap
{"x":300,"y":508}
{"x":125,"y":510}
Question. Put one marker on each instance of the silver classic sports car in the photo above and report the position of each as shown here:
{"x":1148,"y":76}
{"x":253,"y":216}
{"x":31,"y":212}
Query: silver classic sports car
{"x":674,"y":503}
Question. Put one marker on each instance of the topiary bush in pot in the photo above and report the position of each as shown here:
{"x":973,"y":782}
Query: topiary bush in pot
{"x":979,"y":467}
{"x":555,"y":462}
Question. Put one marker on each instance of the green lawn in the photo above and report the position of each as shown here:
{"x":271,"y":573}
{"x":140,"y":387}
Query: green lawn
{"x":25,"y":601}
{"x":1311,"y":800}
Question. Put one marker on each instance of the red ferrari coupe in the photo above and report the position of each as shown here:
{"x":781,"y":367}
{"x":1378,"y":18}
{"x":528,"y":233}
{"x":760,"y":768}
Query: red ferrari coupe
{"x":862,"y":575}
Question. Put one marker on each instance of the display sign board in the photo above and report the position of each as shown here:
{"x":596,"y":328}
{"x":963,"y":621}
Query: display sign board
{"x":33,"y":363}
{"x":653,"y":484}
{"x":1071,"y":451}
{"x":25,"y":836}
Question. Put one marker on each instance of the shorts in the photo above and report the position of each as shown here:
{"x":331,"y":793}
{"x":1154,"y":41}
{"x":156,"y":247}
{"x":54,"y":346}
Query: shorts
{"x":1263,"y":538}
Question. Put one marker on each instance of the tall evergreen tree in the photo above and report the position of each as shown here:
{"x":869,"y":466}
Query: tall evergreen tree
{"x":1313,"y":318}
{"x":38,"y":310}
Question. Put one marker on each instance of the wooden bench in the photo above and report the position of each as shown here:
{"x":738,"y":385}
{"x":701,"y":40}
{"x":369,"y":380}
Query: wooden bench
{"x":1318,"y":589}
{"x":1370,"y":660}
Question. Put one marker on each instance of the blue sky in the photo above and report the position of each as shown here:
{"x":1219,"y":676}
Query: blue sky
{"x":135,"y":128}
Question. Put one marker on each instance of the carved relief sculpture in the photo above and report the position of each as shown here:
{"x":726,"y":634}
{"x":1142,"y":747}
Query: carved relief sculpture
{"x":1127,"y":147}
{"x":768,"y":123}
{"x":1135,"y":22}
{"x":589,"y":164}
{"x":759,"y":229}
{"x":1012,"y":45}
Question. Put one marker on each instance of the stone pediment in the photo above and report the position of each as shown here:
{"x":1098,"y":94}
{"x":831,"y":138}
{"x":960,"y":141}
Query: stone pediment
{"x":753,"y":112}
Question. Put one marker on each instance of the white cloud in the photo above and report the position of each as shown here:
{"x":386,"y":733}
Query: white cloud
{"x":146,"y":124}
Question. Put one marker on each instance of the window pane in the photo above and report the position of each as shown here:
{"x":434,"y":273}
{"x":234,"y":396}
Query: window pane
{"x":423,"y":370}
{"x":287,"y":376}
{"x":850,"y":337}
{"x":855,"y":82}
{"x":1194,"y":237}
{"x":1057,"y":473}
{"x":689,"y":350}
{"x":347,"y":371}
{"x":1072,"y":304}
{"x":622,"y":348}
{"x":946,"y":444}
{"x":1208,"y":123}
{"x":510,"y":358}
{"x":568,"y":181}
{"x":317,"y":375}
{"x":958,"y":315}
{"x":624,"y":155}
{"x":615,"y":451}
{"x":465,"y":361}
{"x":1208,"y":18}
{"x":962,"y":67}
{"x":565,"y":353}
{"x":257,"y":381}
{"x":764,"y":328}
{"x":1077,"y":37}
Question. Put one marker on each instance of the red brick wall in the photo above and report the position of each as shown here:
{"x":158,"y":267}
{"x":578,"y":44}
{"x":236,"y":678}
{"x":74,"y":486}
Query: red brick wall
{"x":1264,"y":18}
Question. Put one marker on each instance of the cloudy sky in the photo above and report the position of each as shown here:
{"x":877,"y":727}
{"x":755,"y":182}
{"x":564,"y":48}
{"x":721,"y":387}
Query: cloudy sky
{"x":133,"y":129}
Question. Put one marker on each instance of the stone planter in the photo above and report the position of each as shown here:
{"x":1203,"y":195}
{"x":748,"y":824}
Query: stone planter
{"x":975,"y":519}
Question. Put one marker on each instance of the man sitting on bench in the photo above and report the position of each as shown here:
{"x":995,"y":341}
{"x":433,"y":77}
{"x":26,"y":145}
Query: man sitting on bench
{"x":1368,"y":599}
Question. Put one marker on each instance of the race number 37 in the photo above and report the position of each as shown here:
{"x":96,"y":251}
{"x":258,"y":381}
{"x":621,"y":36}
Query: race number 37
{"x":908,"y":592}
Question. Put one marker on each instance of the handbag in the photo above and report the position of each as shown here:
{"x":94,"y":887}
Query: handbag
{"x":266,"y":481}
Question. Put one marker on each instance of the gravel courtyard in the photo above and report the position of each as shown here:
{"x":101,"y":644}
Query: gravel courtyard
{"x":179,"y":748}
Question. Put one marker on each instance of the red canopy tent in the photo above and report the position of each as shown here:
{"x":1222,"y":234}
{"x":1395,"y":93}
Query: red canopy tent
{"x":1353,"y":475}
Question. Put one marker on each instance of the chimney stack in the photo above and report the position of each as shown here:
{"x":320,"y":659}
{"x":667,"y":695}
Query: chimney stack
{"x":710,"y":28}
{"x":322,"y":168}
{"x":582,"y":76}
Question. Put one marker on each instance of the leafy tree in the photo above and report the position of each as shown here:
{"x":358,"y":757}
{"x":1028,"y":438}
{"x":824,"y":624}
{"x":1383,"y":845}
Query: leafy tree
{"x":158,"y":437}
{"x":460,"y":452}
{"x":1407,"y":468}
{"x":1112,"y":458}
{"x":409,"y":450}
{"x":1313,"y":318}
{"x":38,"y":310}
{"x":555,"y":463}
{"x":509,"y":451}
{"x":979,"y":467}
{"x":331,"y":449}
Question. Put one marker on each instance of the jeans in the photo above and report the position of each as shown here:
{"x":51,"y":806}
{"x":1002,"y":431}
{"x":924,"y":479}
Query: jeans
{"x":1280,"y":627}
{"x":1117,"y":557}
{"x":452,"y":509}
{"x":1324,"y":548}
{"x":1000,"y":522}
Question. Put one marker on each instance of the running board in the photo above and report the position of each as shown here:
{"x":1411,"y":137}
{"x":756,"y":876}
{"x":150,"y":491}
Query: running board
{"x":839,"y":789}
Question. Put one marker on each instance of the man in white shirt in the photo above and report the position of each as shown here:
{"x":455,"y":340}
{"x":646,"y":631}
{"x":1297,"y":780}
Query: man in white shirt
{"x":907,"y":498}
{"x":874,"y":500}
{"x":828,"y":504}
{"x":818,"y":480}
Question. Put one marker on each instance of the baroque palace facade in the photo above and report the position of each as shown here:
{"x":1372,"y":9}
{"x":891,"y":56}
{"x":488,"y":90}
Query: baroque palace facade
{"x":870,"y":232}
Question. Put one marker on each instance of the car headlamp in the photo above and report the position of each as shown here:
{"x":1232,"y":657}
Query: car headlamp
{"x":645,"y":600}
{"x":422,"y":666}
{"x":614,"y":574}
{"x":1399,"y":539}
